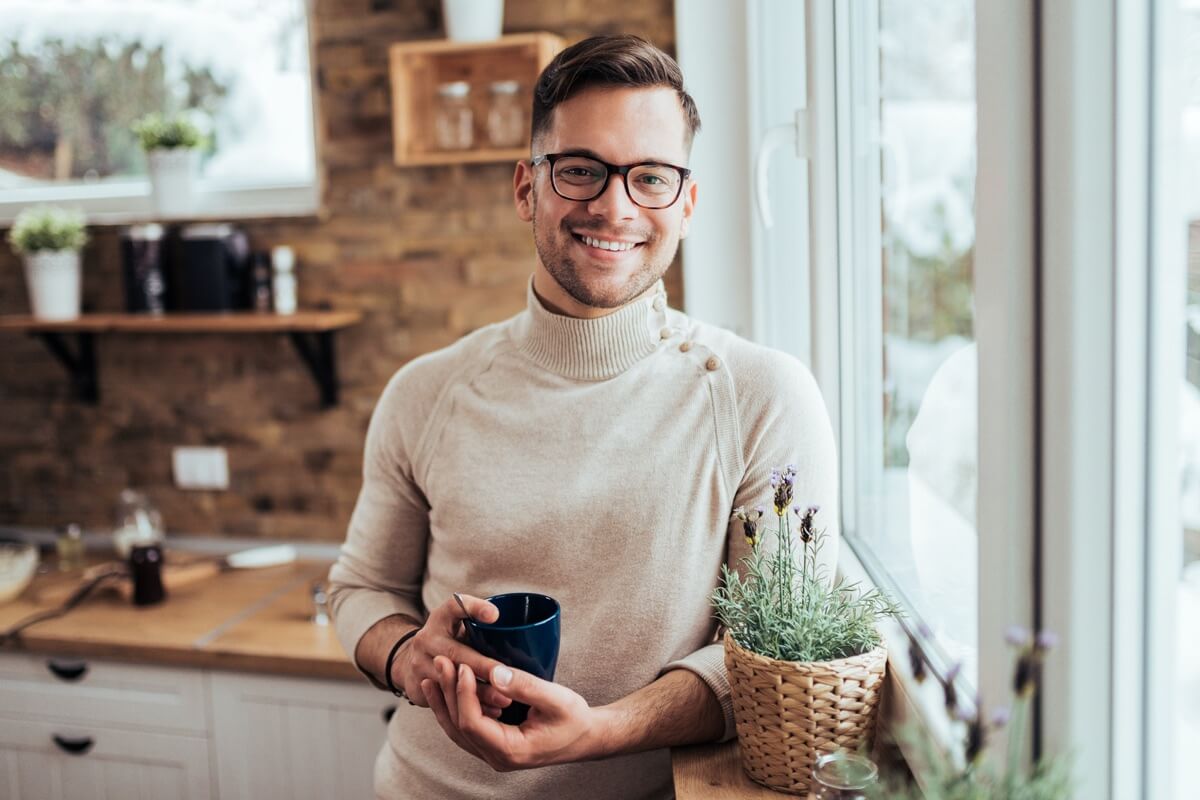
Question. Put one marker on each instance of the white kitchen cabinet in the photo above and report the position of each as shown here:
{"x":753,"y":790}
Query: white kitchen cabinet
{"x":36,"y":763}
{"x":300,"y":739}
{"x":157,"y":732}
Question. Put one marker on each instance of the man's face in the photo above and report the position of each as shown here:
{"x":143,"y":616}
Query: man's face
{"x":619,"y":126}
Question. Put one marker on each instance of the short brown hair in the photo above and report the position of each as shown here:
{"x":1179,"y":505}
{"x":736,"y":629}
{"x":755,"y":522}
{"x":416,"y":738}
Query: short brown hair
{"x":617,"y":60}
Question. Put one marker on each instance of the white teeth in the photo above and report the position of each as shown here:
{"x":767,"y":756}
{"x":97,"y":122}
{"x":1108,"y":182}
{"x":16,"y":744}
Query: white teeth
{"x":603,"y":245}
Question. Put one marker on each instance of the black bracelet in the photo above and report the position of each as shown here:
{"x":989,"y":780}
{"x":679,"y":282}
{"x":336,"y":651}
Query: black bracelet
{"x":391,"y":659}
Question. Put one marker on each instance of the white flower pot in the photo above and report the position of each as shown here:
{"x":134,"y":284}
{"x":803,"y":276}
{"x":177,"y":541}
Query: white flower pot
{"x":53,"y":278}
{"x":473,"y":20}
{"x":173,"y":180}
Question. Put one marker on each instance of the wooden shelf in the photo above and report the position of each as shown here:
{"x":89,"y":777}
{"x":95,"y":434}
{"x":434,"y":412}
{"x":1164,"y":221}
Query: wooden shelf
{"x":231,"y":322}
{"x":311,"y":333}
{"x":418,"y":68}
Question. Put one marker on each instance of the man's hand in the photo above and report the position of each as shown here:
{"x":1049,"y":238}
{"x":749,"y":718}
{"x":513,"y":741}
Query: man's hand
{"x":415,"y":663}
{"x":561,"y":727}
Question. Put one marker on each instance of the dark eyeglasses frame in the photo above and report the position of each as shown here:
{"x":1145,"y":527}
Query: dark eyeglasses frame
{"x":610,"y":170}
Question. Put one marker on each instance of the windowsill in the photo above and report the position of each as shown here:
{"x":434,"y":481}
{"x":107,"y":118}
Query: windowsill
{"x":906,"y":702}
{"x":130,"y":203}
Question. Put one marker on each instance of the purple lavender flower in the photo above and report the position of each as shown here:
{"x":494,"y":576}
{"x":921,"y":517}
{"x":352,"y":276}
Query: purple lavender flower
{"x":961,"y":714}
{"x":950,"y":693}
{"x":1016,"y":636}
{"x":916,"y":660}
{"x":924,"y":631}
{"x":1046,"y":640}
{"x":1000,"y":717}
{"x":782,"y":484}
{"x":749,"y":520}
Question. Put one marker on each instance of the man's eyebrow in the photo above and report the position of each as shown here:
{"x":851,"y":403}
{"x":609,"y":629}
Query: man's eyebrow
{"x":583,"y":151}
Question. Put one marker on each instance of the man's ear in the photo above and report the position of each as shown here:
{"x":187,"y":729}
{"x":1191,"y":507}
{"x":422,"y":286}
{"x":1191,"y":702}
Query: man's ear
{"x":689,"y":206}
{"x":523,"y":177}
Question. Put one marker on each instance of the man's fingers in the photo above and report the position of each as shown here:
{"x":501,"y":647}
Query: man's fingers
{"x":491,"y":697}
{"x":530,"y":689}
{"x":484,"y":733}
{"x":480,"y":664}
{"x":437,"y":704}
{"x":449,"y":683}
{"x":481,"y":610}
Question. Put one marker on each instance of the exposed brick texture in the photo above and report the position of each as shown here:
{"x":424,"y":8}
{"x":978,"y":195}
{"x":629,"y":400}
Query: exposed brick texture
{"x":427,"y":254}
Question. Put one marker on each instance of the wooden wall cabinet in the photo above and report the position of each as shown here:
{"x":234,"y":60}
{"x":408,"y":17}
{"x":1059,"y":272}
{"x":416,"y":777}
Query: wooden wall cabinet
{"x":419,"y":68}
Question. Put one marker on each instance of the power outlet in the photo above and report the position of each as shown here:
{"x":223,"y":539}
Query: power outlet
{"x":200,"y":467}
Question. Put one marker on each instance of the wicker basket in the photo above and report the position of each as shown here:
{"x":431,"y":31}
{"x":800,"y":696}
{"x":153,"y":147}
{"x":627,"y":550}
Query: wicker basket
{"x":788,"y":713}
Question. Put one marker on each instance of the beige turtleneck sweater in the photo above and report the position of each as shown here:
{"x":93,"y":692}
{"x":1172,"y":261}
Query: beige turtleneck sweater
{"x":596,"y":461}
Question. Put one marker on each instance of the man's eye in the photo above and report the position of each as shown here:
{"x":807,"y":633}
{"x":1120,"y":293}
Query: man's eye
{"x":654,"y":180}
{"x":579,"y":172}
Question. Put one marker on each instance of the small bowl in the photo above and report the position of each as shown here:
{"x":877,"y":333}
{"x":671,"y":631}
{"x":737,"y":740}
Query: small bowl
{"x":18,"y":563}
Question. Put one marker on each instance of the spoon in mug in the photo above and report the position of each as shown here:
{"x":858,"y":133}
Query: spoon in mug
{"x":463,"y":606}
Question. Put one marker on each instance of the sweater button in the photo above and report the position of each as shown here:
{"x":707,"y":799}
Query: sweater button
{"x":712,"y":363}
{"x":659,"y":303}
{"x":683,"y":348}
{"x":665,"y":333}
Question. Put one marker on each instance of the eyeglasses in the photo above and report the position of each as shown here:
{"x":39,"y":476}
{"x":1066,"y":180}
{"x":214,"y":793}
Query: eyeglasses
{"x":649,"y":185}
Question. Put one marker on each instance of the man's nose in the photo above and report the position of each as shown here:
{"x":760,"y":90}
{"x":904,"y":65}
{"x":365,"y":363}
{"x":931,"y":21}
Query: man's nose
{"x":614,"y":202}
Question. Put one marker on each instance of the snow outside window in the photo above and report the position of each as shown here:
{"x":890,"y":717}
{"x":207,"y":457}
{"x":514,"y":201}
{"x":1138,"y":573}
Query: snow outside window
{"x":910,"y":420}
{"x":75,"y":74}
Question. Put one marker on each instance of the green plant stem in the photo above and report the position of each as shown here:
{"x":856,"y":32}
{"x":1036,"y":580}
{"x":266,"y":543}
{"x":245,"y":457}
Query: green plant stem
{"x":1015,"y":731}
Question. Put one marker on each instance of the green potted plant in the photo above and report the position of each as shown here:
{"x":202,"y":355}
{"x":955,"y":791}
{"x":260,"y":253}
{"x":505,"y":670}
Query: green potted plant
{"x":975,"y":777}
{"x":49,"y":239}
{"x":172,"y":146}
{"x":803,"y":652}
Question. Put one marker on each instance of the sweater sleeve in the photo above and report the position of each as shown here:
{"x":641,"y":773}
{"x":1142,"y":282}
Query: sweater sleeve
{"x":782,"y":420}
{"x":380,"y":568}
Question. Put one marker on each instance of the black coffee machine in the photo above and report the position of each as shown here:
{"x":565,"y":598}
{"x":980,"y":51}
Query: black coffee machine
{"x":203,"y":267}
{"x":210,"y":269}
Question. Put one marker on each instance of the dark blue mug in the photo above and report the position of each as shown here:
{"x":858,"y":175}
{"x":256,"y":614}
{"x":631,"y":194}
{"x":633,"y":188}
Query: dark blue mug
{"x":525,"y":636}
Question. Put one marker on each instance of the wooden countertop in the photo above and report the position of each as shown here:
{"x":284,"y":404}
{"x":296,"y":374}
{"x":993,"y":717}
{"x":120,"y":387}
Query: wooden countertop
{"x":714,"y":772}
{"x":252,"y":620}
{"x":257,"y":620}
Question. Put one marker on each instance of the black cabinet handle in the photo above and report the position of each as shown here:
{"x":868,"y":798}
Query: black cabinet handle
{"x":75,"y":747}
{"x":68,"y":671}
{"x":388,"y":713}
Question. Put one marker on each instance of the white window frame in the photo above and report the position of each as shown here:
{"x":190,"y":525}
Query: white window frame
{"x":119,"y":202}
{"x":1080,"y":256}
{"x":848,"y":361}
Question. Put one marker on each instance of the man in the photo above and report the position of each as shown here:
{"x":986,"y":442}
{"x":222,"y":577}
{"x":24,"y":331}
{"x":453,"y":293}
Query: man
{"x":590,"y":448}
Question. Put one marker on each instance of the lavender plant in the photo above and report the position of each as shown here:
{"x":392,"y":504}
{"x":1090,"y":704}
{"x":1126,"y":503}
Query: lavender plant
{"x":945,"y":779}
{"x":787,"y":608}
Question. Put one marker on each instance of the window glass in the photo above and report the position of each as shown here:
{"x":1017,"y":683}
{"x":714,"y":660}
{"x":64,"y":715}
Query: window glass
{"x":1186,"y":697}
{"x":75,"y":75}
{"x":914,"y":481}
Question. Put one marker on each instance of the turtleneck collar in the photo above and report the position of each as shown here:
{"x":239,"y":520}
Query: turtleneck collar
{"x":592,"y":349}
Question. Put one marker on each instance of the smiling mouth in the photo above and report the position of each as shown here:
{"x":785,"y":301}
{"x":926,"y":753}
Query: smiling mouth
{"x":605,"y":245}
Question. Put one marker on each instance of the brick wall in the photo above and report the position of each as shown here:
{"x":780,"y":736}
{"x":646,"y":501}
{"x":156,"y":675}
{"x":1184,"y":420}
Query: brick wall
{"x":427,"y":254}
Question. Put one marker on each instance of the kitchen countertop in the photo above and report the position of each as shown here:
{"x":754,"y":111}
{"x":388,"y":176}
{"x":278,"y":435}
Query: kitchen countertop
{"x":258,"y":620}
{"x":251,"y":620}
{"x":714,"y":772}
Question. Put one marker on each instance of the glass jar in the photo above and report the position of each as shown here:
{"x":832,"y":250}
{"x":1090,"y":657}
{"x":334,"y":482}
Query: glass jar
{"x":454,"y":124}
{"x":506,"y":118}
{"x":842,"y":776}
{"x":138,"y":523}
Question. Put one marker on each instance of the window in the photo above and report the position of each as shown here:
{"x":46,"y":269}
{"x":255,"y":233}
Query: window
{"x":75,"y":75}
{"x":909,"y":443}
{"x":1183,"y":62}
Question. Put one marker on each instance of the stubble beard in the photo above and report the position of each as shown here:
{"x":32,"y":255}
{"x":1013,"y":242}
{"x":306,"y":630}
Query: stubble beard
{"x":553,"y":254}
